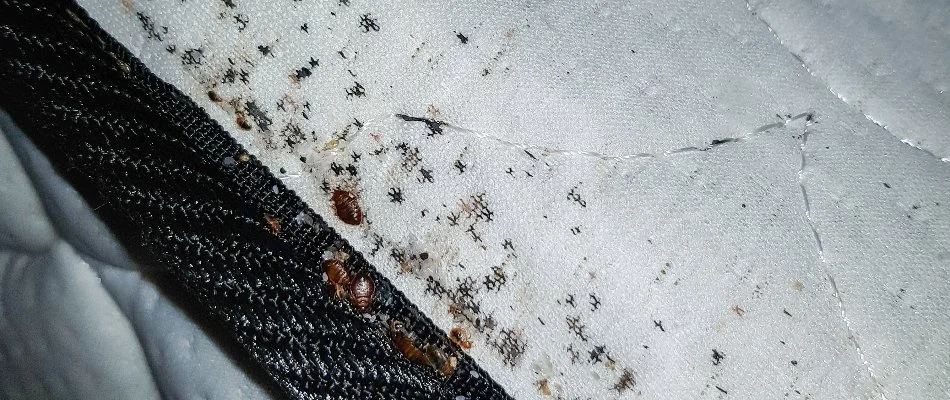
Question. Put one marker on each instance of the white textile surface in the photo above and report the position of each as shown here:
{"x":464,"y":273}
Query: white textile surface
{"x":719,"y":199}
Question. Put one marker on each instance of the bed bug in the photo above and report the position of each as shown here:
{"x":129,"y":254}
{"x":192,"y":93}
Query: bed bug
{"x":337,"y":275}
{"x":402,"y":339}
{"x":441,"y":362}
{"x":273,"y":223}
{"x":347,"y":207}
{"x":362,"y":291}
{"x":460,"y":338}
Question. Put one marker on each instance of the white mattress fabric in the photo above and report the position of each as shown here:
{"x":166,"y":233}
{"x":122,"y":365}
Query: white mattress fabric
{"x":717,"y":199}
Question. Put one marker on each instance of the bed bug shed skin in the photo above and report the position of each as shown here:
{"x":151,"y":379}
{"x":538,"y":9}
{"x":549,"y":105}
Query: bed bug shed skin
{"x":347,"y":207}
{"x":362,"y":293}
{"x":460,"y":338}
{"x":403,"y":341}
{"x":441,"y":362}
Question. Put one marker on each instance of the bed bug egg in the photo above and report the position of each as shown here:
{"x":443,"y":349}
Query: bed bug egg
{"x":347,"y":207}
{"x":337,"y":275}
{"x":362,"y":291}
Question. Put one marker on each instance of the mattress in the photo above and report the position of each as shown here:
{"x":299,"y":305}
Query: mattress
{"x":611,"y":200}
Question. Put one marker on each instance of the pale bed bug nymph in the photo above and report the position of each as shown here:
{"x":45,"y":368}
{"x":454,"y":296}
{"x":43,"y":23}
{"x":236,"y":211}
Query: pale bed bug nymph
{"x":347,"y":207}
{"x":362,"y":291}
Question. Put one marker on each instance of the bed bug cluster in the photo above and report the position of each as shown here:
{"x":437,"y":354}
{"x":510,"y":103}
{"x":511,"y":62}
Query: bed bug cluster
{"x":360,"y":292}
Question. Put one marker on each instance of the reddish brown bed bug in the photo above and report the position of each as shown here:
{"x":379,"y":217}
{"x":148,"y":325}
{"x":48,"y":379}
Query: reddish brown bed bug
{"x":362,"y":291}
{"x":347,"y":207}
{"x":273,"y":223}
{"x":441,"y":362}
{"x":337,"y":275}
{"x":460,"y":338}
{"x":402,"y":339}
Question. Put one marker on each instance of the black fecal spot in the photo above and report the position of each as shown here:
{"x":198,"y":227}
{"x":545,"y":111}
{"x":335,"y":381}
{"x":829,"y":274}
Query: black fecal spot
{"x":510,"y":345}
{"x":576,"y":197}
{"x":626,"y":381}
{"x":192,"y":57}
{"x":575,"y":355}
{"x":241,"y":21}
{"x":229,"y":76}
{"x":356,"y":90}
{"x":496,"y":279}
{"x":426,"y":176}
{"x":301,"y":73}
{"x":435,"y":127}
{"x":577,"y":328}
{"x":229,"y":3}
{"x":794,"y":362}
{"x":368,"y":23}
{"x":265,"y":50}
{"x":599,"y":354}
{"x":717,"y":357}
{"x":149,"y":27}
{"x":722,"y":390}
{"x":292,"y":135}
{"x":886,"y":185}
{"x":336,"y":168}
{"x":594,"y":302}
{"x":305,"y":28}
{"x":462,"y":38}
{"x":260,"y":117}
{"x":424,"y":256}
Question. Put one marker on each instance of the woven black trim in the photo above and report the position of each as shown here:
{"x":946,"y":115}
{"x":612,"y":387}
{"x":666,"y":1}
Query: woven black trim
{"x":184,"y":196}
